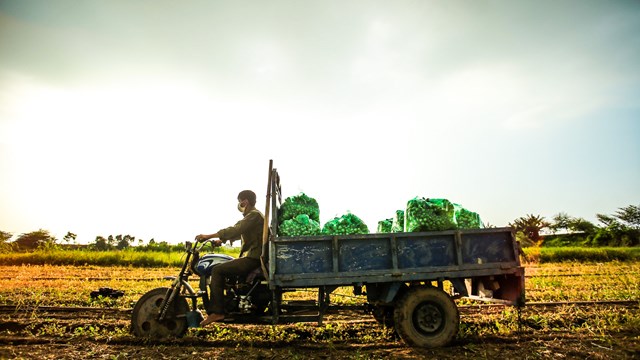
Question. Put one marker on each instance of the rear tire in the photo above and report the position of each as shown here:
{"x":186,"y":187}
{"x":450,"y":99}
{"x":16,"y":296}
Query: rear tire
{"x":144,"y":320}
{"x":426,"y":317}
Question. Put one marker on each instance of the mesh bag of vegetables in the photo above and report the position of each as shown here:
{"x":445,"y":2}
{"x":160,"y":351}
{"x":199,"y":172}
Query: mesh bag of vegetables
{"x":298,"y":205}
{"x":347,"y":224}
{"x":429,"y":215}
{"x":398,"y":222}
{"x":467,"y":219}
{"x":301,"y":225}
{"x":384,"y":226}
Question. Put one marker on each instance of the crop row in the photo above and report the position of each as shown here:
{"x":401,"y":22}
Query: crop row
{"x":578,"y":321}
{"x":70,"y":286}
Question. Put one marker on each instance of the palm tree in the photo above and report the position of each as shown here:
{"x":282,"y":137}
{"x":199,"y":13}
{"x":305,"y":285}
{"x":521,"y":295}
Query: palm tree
{"x":530,"y":226}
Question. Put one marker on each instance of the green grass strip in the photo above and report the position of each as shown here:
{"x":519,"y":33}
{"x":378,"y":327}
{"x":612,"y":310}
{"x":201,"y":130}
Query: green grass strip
{"x":581,"y":254}
{"x":99,"y":258}
{"x":163,"y":259}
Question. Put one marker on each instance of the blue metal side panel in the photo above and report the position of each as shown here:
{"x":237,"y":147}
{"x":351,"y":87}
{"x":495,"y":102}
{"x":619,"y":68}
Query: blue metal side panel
{"x":425,"y":251}
{"x":369,"y":254}
{"x":304,"y":257}
{"x":390,"y":253}
{"x":487,"y":248}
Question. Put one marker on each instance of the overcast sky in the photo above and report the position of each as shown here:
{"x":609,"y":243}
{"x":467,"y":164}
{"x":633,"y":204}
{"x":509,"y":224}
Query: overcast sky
{"x":148,"y":117}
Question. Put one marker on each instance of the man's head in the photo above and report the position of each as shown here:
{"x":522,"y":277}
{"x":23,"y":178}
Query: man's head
{"x":248,"y":196}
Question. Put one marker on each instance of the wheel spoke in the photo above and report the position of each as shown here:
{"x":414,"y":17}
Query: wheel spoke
{"x":145,"y":316}
{"x":428,"y":318}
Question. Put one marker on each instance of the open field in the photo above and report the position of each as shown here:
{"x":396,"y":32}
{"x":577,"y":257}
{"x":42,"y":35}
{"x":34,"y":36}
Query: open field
{"x":134,"y":258}
{"x":100,"y":328}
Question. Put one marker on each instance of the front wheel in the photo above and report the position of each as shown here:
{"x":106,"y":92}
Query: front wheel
{"x":426,"y":317}
{"x":144,"y":320}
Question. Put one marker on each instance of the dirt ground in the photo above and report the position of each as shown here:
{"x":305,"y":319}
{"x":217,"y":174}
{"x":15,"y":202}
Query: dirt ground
{"x":25,"y":336}
{"x":532,"y":346}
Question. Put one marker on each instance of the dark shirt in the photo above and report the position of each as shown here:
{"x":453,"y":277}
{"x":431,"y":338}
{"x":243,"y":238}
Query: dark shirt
{"x":249,"y":230}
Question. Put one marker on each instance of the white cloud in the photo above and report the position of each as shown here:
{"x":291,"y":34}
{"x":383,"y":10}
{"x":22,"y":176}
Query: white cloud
{"x":362,"y":105}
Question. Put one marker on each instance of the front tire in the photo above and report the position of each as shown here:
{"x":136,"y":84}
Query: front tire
{"x":426,"y":317}
{"x":144,"y":320}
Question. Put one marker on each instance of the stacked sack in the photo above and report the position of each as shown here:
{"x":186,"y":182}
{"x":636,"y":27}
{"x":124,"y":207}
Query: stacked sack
{"x":429,"y":215}
{"x":347,"y":224}
{"x":467,"y":219}
{"x":398,"y":222}
{"x":384,"y":226}
{"x":424,"y":214}
{"x":394,"y":224}
{"x":299,"y":216}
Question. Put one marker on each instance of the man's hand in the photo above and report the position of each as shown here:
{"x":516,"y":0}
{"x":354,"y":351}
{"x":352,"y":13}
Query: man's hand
{"x":202,"y":237}
{"x":217,"y":242}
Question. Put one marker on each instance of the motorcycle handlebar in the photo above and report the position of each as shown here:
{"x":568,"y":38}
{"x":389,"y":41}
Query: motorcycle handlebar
{"x":200,"y":244}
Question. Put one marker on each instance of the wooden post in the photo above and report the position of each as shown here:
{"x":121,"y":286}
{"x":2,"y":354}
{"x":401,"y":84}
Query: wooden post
{"x":265,"y":226}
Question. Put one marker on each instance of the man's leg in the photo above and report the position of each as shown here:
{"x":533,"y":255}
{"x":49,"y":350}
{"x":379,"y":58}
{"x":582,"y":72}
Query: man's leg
{"x":238,"y":267}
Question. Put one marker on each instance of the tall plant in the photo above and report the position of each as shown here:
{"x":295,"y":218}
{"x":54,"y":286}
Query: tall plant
{"x":530,"y":226}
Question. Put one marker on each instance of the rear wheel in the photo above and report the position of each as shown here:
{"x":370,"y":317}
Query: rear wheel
{"x":426,"y":317}
{"x":145,"y":315}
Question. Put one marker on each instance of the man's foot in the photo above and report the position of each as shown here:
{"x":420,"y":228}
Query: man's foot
{"x":211,"y":318}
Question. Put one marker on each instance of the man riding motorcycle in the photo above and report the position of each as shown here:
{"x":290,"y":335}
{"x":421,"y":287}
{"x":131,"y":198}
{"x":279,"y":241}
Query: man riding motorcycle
{"x":249,"y":230}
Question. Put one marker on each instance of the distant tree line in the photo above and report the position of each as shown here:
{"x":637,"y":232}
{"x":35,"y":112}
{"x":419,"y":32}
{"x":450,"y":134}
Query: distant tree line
{"x":619,"y":229}
{"x":43,"y":240}
{"x":121,"y":242}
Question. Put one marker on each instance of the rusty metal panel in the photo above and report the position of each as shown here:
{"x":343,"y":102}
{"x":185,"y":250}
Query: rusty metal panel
{"x":301,"y":261}
{"x":359,"y":255}
{"x":304,"y":257}
{"x":426,"y":251}
{"x":487,"y":247}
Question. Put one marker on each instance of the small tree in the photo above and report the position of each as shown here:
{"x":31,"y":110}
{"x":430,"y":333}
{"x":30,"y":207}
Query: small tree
{"x":582,"y":225}
{"x":562,"y":221}
{"x":124,"y":241}
{"x":111,"y":240}
{"x":620,"y":229}
{"x":101,"y":244}
{"x":70,"y":237}
{"x":35,"y":240}
{"x":4,"y":241}
{"x":5,"y":236}
{"x":630,"y":216}
{"x":608,"y":221}
{"x":530,"y":226}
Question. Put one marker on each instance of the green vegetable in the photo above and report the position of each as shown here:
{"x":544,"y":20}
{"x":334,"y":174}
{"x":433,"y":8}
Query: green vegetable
{"x":429,"y":215}
{"x":347,"y":224}
{"x":384,"y":226}
{"x":467,"y":219}
{"x":299,"y":205}
{"x":398,"y":222}
{"x":301,"y":225}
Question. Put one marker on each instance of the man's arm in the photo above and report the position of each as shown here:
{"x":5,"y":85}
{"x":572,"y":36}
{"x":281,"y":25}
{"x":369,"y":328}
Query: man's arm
{"x":205,"y":237}
{"x":232,"y":233}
